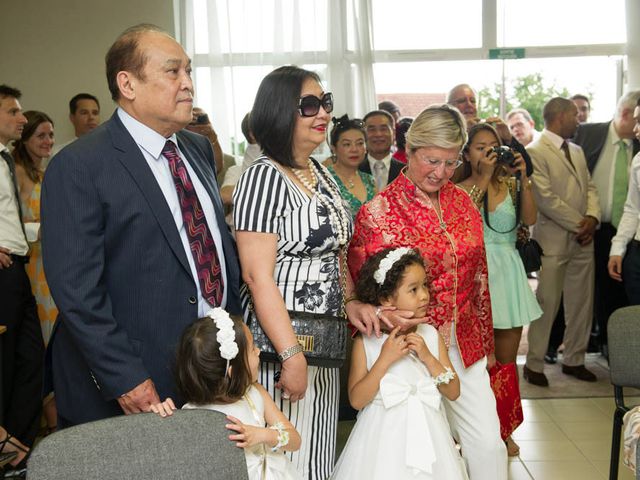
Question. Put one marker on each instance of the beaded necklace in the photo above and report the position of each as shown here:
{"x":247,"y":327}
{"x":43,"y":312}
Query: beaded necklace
{"x":338,"y":216}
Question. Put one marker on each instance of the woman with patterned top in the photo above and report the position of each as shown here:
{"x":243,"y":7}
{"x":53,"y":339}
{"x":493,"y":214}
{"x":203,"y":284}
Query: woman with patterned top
{"x":422,"y":209}
{"x":348,"y":148}
{"x":291,"y":226}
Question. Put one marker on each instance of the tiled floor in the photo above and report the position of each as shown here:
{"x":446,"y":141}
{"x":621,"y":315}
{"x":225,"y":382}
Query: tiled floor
{"x":560,"y":439}
{"x":566,"y":439}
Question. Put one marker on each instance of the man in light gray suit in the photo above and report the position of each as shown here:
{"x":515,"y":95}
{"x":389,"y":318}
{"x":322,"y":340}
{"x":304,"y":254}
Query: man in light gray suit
{"x":568,"y":213}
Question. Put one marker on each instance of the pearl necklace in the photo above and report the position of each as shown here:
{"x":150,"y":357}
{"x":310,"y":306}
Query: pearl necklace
{"x":338,"y":216}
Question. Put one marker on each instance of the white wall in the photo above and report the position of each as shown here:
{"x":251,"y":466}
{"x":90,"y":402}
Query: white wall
{"x":53,"y":49}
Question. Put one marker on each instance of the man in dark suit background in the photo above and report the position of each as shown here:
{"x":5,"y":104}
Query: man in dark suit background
{"x":380,"y":128}
{"x":605,"y":144}
{"x":134,"y":239}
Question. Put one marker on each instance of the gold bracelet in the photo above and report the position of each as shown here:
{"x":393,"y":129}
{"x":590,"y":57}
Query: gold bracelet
{"x":528,"y":184}
{"x":350,"y":298}
{"x":476,"y":194}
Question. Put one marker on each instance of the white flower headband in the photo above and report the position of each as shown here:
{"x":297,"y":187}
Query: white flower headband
{"x":226,"y":335}
{"x":387,"y":262}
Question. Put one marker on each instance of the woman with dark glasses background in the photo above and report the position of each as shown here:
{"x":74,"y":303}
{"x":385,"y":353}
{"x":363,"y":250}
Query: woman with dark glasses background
{"x":348,"y":148}
{"x":292,"y":227}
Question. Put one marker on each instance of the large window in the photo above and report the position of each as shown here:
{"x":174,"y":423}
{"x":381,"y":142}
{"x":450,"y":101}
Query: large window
{"x":420,"y":24}
{"x":560,"y":22}
{"x":412,"y":49}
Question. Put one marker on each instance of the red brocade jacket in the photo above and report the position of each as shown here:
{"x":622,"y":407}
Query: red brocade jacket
{"x":453,"y":251}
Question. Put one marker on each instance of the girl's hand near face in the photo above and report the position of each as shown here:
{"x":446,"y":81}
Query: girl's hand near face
{"x":394,"y":347}
{"x":487,"y":163}
{"x":416,"y":344}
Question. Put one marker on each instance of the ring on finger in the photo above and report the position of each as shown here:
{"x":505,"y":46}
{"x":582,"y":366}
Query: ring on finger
{"x":378,"y":310}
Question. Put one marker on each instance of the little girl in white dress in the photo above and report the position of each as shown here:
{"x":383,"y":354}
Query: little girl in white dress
{"x":397,"y":382}
{"x":217,"y":369}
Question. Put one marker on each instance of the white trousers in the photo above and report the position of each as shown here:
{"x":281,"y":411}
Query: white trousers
{"x":474,"y":421}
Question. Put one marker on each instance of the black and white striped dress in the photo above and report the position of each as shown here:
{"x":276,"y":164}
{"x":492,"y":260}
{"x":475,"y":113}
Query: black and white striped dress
{"x":308,"y":276}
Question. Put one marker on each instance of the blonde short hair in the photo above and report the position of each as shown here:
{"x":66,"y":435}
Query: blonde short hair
{"x":438,"y":125}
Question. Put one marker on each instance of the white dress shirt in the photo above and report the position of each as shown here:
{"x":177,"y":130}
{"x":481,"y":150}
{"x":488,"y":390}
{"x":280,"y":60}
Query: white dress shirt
{"x":604,"y":171}
{"x":151,"y":144}
{"x":387,"y":165}
{"x":11,"y":234}
{"x":629,"y":226}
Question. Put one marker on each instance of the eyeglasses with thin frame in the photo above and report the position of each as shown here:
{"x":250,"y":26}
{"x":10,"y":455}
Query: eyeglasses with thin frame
{"x":435,"y":163}
{"x":309,"y":105}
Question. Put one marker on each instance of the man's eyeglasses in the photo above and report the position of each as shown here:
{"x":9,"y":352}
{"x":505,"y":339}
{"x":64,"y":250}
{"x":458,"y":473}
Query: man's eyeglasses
{"x":309,"y":105}
{"x":448,"y":164}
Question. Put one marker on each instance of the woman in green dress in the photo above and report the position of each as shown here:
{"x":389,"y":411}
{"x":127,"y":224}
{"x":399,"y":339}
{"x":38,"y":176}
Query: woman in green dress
{"x":348,"y":150}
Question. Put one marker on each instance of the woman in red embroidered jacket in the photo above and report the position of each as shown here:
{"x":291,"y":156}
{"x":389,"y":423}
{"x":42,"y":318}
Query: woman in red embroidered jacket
{"x":422,"y":209}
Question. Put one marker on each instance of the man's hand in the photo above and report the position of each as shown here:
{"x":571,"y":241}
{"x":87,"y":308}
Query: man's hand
{"x":5,"y":258}
{"x":586,"y":230}
{"x":615,"y":267}
{"x":140,"y":399}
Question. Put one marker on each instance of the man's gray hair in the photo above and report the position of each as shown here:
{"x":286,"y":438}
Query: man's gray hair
{"x":628,"y":100}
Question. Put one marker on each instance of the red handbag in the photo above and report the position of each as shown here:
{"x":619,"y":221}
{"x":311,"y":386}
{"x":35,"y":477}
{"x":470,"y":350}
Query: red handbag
{"x":504,"y":383}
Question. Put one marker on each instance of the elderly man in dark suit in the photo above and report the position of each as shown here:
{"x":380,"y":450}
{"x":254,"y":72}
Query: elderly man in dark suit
{"x":134,"y":239}
{"x":609,"y":148}
{"x":380,"y":128}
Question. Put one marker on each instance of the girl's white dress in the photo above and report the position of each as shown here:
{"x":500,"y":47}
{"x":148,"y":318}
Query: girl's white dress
{"x":262,"y":463}
{"x":403,"y":433}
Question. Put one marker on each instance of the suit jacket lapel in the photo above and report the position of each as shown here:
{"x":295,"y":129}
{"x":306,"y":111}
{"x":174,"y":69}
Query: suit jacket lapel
{"x":132,"y":159}
{"x":364,"y":165}
{"x":559,"y":154}
{"x":205,"y":173}
{"x":197,"y":158}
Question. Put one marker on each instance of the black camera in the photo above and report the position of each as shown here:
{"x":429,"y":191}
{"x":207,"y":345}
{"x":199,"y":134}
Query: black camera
{"x":505,"y":155}
{"x":202,"y":119}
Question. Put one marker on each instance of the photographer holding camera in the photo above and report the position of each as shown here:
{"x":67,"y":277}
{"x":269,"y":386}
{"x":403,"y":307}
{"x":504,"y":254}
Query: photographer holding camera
{"x":201,"y":124}
{"x":463,"y":97}
{"x":491,"y":173}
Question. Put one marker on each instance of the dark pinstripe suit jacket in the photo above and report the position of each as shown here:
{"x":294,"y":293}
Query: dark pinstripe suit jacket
{"x":117,"y":269}
{"x":395,"y":167}
{"x":591,"y":137}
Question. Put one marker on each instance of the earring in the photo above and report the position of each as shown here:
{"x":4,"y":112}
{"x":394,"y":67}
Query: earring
{"x":334,"y":158}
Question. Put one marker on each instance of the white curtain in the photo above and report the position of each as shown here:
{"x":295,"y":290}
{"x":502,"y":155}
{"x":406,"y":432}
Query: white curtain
{"x":235,"y":43}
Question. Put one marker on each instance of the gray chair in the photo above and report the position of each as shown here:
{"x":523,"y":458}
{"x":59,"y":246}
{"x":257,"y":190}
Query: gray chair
{"x":624,"y":365}
{"x":191,"y":444}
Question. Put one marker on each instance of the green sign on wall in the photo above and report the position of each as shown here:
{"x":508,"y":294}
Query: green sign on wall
{"x":505,"y":53}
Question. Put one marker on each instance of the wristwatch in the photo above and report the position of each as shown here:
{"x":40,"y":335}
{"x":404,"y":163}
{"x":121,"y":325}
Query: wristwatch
{"x":289,"y":352}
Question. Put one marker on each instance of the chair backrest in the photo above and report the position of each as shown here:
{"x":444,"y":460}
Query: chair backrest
{"x":624,"y":346}
{"x":191,"y":444}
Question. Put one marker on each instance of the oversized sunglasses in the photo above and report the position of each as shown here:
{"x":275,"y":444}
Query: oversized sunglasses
{"x":309,"y":105}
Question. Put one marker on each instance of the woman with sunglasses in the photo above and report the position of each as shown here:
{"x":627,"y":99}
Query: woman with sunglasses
{"x":291,"y":227}
{"x":348,"y":148}
{"x":423,"y":209}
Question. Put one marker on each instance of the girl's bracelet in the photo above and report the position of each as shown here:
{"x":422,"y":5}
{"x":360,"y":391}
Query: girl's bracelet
{"x":445,"y":377}
{"x":283,"y":436}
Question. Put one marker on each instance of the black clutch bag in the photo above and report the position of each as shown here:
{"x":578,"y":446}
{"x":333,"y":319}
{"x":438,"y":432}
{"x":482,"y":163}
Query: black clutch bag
{"x":323,"y":338}
{"x":530,"y":251}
